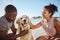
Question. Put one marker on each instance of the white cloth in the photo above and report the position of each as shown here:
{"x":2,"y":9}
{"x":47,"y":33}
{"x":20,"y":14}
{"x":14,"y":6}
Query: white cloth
{"x":4,"y":24}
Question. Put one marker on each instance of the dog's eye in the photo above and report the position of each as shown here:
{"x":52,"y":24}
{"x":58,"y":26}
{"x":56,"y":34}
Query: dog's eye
{"x":21,"y":18}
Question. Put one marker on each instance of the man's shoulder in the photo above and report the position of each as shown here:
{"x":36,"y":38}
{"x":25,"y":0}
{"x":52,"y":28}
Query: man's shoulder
{"x":2,"y":20}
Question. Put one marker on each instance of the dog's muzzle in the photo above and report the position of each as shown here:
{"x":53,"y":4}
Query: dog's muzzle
{"x":24,"y":23}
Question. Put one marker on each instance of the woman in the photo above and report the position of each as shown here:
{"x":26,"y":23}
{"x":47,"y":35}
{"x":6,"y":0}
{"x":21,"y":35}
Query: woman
{"x":48,"y":23}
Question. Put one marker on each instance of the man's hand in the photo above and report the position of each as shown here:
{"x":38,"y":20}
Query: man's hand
{"x":11,"y":36}
{"x":24,"y":32}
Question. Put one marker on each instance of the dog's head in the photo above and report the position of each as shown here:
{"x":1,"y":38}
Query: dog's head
{"x":23,"y":20}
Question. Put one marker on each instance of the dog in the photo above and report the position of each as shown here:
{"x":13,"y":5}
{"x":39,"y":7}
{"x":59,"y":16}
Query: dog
{"x":23,"y":25}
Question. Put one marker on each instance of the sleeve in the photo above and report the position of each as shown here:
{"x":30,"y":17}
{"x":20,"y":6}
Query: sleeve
{"x":2,"y":25}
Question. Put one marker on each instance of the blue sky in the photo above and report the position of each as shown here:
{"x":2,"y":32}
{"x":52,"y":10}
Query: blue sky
{"x":29,"y":7}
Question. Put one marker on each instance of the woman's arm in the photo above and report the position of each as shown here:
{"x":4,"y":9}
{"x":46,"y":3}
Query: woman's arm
{"x":35,"y":26}
{"x":57,"y":26}
{"x":57,"y":23}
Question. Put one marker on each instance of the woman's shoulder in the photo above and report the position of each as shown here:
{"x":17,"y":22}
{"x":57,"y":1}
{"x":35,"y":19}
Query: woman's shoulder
{"x":56,"y":20}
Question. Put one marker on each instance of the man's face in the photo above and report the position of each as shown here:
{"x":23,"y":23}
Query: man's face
{"x":12,"y":16}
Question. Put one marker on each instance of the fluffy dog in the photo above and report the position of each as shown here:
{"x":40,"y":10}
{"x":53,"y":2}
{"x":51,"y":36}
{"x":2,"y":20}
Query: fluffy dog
{"x":23,"y":25}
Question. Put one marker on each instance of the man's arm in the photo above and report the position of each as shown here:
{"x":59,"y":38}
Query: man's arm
{"x":13,"y":29}
{"x":22,"y":33}
{"x":14,"y":36}
{"x":3,"y":34}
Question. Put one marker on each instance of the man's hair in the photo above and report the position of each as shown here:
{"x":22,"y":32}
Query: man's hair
{"x":10,"y":8}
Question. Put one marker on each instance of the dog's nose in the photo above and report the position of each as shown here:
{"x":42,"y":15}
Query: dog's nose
{"x":24,"y":21}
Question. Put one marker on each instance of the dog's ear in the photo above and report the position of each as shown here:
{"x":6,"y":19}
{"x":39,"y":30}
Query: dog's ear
{"x":18,"y":21}
{"x":28,"y":18}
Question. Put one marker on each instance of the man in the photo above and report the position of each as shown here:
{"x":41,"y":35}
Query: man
{"x":7,"y":22}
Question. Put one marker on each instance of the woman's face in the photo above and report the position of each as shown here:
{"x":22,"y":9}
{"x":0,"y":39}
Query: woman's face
{"x":46,"y":13}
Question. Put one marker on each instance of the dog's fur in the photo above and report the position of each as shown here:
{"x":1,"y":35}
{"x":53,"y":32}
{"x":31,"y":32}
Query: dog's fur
{"x":24,"y":20}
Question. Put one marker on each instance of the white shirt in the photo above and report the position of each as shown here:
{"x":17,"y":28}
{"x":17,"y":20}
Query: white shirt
{"x":4,"y":24}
